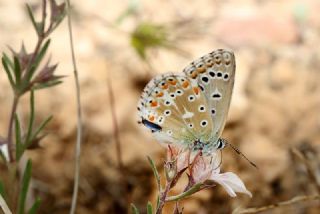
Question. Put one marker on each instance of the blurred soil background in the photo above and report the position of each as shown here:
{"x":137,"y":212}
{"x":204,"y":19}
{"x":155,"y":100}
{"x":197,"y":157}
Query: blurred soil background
{"x":275,"y":106}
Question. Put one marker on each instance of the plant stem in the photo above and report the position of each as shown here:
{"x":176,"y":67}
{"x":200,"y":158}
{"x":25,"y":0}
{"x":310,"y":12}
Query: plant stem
{"x":4,"y":206}
{"x":190,"y":191}
{"x":79,"y":116}
{"x":115,"y":125}
{"x":294,"y":200}
{"x":163,"y":198}
{"x":10,"y":128}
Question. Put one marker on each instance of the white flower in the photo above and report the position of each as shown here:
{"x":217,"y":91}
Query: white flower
{"x":230,"y":182}
{"x":204,"y":168}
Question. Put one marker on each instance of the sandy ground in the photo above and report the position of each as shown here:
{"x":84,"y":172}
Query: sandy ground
{"x":275,"y":107}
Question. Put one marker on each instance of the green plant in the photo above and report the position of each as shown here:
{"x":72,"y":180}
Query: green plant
{"x":26,"y":75}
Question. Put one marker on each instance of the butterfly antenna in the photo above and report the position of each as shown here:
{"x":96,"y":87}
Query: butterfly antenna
{"x":240,"y":153}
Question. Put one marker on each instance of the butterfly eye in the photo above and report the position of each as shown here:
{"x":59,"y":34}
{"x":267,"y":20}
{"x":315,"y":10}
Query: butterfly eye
{"x":203,"y":123}
{"x":191,"y":98}
{"x":167,"y":112}
{"x":202,"y":108}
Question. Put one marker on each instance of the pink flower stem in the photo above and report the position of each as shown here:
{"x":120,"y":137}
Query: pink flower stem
{"x":163,"y":197}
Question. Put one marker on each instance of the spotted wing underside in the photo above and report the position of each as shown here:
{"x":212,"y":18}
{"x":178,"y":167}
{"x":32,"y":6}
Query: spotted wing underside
{"x":215,"y":73}
{"x":174,"y":108}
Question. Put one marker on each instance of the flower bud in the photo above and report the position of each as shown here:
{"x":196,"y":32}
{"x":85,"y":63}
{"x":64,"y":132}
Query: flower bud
{"x":170,"y":168}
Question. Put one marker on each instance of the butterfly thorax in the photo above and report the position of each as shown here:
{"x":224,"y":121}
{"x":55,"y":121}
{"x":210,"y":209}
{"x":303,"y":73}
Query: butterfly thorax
{"x":207,"y":148}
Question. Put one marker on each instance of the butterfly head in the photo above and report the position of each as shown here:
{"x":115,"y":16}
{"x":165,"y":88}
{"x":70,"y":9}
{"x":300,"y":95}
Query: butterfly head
{"x":208,"y":148}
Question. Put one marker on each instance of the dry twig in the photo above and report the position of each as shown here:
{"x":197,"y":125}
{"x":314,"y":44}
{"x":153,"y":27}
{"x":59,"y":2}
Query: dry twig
{"x":4,"y":206}
{"x":294,"y":200}
{"x":79,"y":116}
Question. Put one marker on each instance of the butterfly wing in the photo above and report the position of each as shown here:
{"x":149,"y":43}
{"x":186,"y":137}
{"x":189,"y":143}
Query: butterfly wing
{"x":215,"y":73}
{"x":173,"y":107}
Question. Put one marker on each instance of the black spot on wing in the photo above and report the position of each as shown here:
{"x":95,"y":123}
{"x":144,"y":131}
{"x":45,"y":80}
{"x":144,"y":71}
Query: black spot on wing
{"x":150,"y":125}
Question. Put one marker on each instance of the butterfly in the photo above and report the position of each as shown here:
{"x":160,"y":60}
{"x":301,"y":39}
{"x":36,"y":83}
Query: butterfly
{"x":189,"y":109}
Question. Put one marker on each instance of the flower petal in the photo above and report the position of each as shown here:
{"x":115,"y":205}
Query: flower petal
{"x":231,"y":183}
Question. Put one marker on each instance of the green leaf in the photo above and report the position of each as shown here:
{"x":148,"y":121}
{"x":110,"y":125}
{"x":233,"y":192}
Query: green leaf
{"x":158,"y":201}
{"x":134,"y":209}
{"x":7,"y":70}
{"x":25,"y":185}
{"x":2,"y":191}
{"x":35,"y":206}
{"x":195,"y":188}
{"x":31,"y":120}
{"x":34,"y":23}
{"x":17,"y":71}
{"x":155,"y":172}
{"x":149,"y":208}
{"x":19,"y":143}
{"x":39,"y":129}
{"x":3,"y":157}
{"x":148,"y":35}
{"x":47,"y":84}
{"x":8,"y":61}
{"x":37,"y":61}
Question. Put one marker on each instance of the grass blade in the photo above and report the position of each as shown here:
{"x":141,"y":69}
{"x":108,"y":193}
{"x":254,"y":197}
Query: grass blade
{"x":39,"y":129}
{"x":37,"y":61}
{"x":149,"y":208}
{"x":8,"y":72}
{"x":25,"y":185}
{"x":47,"y":84}
{"x":30,"y":13}
{"x":2,"y":191}
{"x":31,"y":119}
{"x":155,"y":172}
{"x":134,"y":209}
{"x":19,"y":144}
{"x":17,"y":71}
{"x":35,"y":206}
{"x":8,"y":61}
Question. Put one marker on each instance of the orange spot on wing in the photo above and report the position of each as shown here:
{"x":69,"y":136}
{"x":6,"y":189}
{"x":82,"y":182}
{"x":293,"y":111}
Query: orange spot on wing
{"x":201,"y":70}
{"x":196,"y":90}
{"x":185,"y":84}
{"x":160,"y":94}
{"x":173,"y":82}
{"x":151,"y":118}
{"x":165,"y":86}
{"x":194,"y":75}
{"x":154,"y":103}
